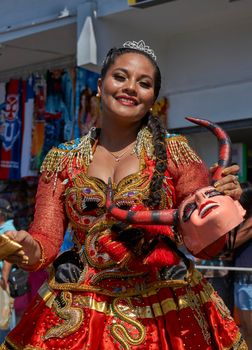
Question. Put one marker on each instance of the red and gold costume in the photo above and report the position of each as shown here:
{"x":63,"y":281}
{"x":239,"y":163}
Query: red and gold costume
{"x":125,"y":298}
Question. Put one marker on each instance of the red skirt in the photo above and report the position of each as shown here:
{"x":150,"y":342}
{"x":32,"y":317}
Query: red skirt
{"x":170,"y":318}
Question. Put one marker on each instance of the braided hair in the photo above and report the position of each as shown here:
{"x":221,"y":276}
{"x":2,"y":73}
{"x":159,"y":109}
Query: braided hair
{"x":154,"y":124}
{"x":158,"y":134}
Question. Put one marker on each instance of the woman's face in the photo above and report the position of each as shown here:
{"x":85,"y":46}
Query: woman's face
{"x":127,"y":90}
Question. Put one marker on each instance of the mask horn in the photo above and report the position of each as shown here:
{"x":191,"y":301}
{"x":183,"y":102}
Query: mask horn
{"x":141,"y":217}
{"x":224,"y":144}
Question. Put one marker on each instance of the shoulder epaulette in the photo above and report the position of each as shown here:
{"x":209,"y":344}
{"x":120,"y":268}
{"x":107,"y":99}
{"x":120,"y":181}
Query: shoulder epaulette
{"x":76,"y":153}
{"x":179,"y":149}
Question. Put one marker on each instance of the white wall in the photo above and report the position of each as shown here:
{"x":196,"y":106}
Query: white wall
{"x":209,"y":74}
{"x":206,"y":73}
{"x":206,"y":146}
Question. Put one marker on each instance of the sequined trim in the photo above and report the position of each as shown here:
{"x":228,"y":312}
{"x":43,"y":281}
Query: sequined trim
{"x":79,"y":153}
{"x":143,"y":312}
{"x":72,"y":317}
{"x":129,"y":292}
{"x":125,"y":328}
{"x":74,"y":154}
{"x":193,"y":277}
{"x":10,"y":345}
{"x":180,"y":151}
{"x":195,"y":303}
{"x":15,"y":347}
{"x":238,"y":344}
{"x":144,"y":141}
{"x":91,"y":251}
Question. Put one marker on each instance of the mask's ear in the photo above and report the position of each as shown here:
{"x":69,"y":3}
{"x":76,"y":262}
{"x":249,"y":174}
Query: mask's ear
{"x":99,"y":86}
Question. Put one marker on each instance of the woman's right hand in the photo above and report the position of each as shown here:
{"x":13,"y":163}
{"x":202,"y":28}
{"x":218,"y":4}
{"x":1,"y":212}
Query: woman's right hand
{"x":31,"y":252}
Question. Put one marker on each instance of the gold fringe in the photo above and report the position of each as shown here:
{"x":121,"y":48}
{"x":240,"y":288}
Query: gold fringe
{"x":243,"y":346}
{"x":144,"y":142}
{"x":180,"y":150}
{"x":3,"y":347}
{"x":76,"y":154}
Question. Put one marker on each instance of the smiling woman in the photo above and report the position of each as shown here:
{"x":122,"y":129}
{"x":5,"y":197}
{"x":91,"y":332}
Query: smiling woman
{"x":122,"y":286}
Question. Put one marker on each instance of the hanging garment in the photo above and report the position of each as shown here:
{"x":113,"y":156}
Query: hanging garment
{"x":10,"y":155}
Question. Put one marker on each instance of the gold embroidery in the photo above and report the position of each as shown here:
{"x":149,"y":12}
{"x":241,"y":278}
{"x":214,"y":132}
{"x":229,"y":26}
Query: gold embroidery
{"x":193,"y":277}
{"x":195,"y":303}
{"x":92,"y":254}
{"x":73,"y":317}
{"x":3,"y":347}
{"x":148,"y":311}
{"x":151,"y":288}
{"x":132,"y":189}
{"x":89,"y":189}
{"x":8,"y":344}
{"x":126,"y":334}
{"x":238,"y":344}
{"x":221,"y":307}
{"x":118,"y":274}
{"x":180,"y":151}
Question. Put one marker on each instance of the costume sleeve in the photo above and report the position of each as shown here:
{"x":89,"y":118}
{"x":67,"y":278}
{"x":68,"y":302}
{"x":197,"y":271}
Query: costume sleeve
{"x":49,"y":224}
{"x":188,"y":171}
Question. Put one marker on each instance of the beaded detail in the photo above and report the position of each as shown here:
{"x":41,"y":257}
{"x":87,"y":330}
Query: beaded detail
{"x":180,"y":151}
{"x":71,"y":317}
{"x":78,"y":153}
{"x":144,"y":142}
{"x":74,"y":154}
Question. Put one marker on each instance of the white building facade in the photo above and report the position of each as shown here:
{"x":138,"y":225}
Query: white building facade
{"x":204,"y":50}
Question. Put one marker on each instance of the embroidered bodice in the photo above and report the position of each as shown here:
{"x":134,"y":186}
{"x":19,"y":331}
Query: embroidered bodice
{"x":68,"y":195}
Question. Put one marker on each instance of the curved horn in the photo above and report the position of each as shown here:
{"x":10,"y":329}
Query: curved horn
{"x":224,"y":144}
{"x":144,"y":217}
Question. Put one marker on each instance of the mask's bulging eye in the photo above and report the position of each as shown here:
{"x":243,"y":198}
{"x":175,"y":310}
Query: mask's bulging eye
{"x":188,"y":210}
{"x":213,"y":193}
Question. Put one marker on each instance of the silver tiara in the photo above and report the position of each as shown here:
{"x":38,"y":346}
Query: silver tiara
{"x":140,"y":45}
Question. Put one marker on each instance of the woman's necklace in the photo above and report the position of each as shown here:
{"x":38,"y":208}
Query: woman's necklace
{"x":118,"y":157}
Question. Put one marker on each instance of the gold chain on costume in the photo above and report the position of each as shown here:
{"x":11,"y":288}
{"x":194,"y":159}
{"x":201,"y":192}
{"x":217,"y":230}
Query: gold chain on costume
{"x":124,"y":310}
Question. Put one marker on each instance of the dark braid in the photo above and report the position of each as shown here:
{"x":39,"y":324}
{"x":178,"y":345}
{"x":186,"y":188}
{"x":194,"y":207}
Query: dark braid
{"x":158,"y":134}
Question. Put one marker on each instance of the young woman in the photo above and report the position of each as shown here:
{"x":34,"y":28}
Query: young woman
{"x":119,"y":288}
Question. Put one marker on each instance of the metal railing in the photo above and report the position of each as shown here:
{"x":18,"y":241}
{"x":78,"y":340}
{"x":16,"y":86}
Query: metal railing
{"x":229,"y":268}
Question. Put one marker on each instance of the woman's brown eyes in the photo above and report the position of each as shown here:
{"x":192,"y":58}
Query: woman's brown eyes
{"x":119,"y":77}
{"x":145,"y":85}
